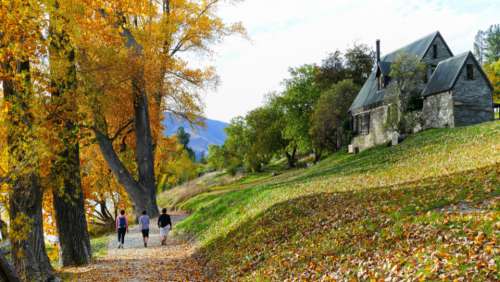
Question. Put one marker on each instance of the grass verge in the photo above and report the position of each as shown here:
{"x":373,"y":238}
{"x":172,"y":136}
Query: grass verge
{"x":381,"y":213}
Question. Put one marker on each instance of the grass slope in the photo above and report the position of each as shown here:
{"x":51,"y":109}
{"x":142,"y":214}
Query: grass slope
{"x":426,"y":209}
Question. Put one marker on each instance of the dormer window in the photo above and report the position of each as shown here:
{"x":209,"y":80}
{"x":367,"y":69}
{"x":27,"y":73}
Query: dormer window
{"x":434,"y":51}
{"x":470,"y":72}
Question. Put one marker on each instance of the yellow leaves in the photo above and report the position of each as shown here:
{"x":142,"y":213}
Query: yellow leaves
{"x":478,"y":240}
{"x":493,"y":72}
{"x":20,"y":227}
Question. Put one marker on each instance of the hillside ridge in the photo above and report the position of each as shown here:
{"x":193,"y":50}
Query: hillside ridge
{"x":201,"y":136}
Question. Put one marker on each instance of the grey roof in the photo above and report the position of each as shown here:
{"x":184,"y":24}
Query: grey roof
{"x":445,"y":75}
{"x":369,"y":94}
{"x":418,"y":48}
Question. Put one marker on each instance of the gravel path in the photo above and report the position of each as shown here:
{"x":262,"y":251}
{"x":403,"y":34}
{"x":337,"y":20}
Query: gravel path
{"x":172,"y":262}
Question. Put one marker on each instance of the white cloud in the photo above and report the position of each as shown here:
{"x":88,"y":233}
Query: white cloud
{"x":286,"y":33}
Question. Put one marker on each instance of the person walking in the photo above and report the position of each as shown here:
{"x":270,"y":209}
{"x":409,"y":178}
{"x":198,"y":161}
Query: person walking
{"x":144,"y":222}
{"x":121,"y":228}
{"x":164,"y":223}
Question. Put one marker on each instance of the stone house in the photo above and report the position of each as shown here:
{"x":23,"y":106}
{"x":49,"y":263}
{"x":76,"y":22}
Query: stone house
{"x":454,"y":92}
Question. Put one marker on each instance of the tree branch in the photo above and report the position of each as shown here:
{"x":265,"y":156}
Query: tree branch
{"x":184,"y":39}
{"x":121,"y":129}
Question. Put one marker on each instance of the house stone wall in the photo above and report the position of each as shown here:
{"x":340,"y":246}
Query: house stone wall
{"x":378,"y":134}
{"x":438,"y":111}
{"x":472,"y":99}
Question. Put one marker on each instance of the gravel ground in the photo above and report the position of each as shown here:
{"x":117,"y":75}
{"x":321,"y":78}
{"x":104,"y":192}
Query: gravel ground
{"x":172,"y":262}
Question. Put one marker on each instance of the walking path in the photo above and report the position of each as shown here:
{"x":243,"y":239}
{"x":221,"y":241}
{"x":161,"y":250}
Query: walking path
{"x":172,"y":262}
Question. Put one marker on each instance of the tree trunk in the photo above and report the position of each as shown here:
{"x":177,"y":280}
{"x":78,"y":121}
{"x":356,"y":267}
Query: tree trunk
{"x":144,"y":144}
{"x":292,"y":162}
{"x":74,"y":240}
{"x":317,"y":155}
{"x":143,"y":191}
{"x":25,"y":199}
{"x":28,"y":251}
{"x":138,"y":194}
{"x":7,"y":273}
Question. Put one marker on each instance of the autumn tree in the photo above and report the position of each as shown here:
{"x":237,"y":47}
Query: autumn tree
{"x":173,"y":163}
{"x":74,"y":241}
{"x":152,"y":75}
{"x":493,"y":72}
{"x":20,"y":33}
{"x":103,"y":194}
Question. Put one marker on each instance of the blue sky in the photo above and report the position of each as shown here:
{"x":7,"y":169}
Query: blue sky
{"x":286,"y":33}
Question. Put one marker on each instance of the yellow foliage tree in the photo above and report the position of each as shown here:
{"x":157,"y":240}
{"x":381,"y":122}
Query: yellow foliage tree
{"x":133,"y":69}
{"x":173,"y":165}
{"x":493,"y":72}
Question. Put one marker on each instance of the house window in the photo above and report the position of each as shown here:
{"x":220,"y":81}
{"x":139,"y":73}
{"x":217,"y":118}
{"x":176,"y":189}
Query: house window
{"x":470,"y":72}
{"x":365,"y":123}
{"x":361,"y":124}
{"x":434,"y":51}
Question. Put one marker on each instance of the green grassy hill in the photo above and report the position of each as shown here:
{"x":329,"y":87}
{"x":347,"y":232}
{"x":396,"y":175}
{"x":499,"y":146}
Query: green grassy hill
{"x":428,"y":209}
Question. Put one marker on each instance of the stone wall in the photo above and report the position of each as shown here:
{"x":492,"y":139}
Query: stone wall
{"x":438,"y":111}
{"x":472,"y":99}
{"x":378,"y":133}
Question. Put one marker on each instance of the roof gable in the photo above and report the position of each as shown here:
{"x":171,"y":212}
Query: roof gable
{"x":447,"y":73}
{"x":438,"y":35}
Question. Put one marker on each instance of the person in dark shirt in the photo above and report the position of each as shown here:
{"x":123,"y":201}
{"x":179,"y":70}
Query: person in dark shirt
{"x":165,"y":225}
{"x":121,"y":228}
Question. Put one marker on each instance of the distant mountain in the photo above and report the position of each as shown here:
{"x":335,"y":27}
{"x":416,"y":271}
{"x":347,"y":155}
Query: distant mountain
{"x":201,"y":137}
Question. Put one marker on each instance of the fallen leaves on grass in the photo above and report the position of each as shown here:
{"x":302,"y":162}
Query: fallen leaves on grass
{"x":443,"y":228}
